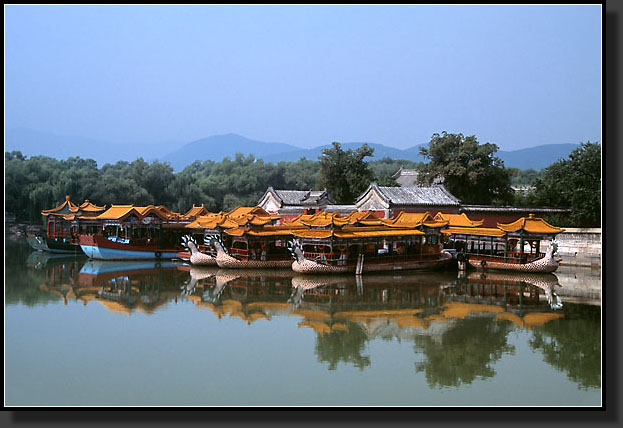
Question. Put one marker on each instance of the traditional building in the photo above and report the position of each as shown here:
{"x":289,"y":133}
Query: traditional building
{"x":390,"y":201}
{"x":291,"y":203}
{"x":492,"y":215}
{"x":408,"y":177}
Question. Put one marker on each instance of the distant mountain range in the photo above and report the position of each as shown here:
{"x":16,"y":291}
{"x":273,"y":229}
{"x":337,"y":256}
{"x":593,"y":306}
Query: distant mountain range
{"x":218,"y":146}
{"x":37,"y":143}
{"x":31,"y":143}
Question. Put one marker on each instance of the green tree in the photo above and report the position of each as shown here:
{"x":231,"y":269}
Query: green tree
{"x":346,"y":346}
{"x":573,"y":344}
{"x":470,"y":170}
{"x":345,"y":174}
{"x":464,"y":352}
{"x":573,"y":183}
{"x":522,"y":177}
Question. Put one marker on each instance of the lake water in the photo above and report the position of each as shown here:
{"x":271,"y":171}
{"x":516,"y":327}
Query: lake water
{"x":81,"y":332}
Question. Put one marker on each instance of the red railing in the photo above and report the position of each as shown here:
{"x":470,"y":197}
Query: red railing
{"x":339,"y":259}
{"x":507,"y":257}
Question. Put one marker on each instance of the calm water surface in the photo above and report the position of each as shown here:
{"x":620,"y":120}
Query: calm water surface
{"x":81,"y":332}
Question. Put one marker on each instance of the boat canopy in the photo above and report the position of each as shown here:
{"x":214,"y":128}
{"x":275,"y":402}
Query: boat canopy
{"x":409,"y":220}
{"x":474,"y":231}
{"x":458,"y":220}
{"x":530,"y":224}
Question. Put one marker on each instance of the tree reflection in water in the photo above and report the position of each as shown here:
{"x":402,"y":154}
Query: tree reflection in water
{"x":573,"y":345}
{"x":456,"y":343}
{"x":343,"y":345}
{"x":464,"y":352}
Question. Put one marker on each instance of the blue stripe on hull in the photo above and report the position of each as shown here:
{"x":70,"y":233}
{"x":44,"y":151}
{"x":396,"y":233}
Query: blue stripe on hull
{"x":100,"y":253}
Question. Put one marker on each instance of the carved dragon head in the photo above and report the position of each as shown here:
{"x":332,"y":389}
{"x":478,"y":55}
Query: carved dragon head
{"x":190,"y":243}
{"x":217,"y":243}
{"x":296,"y":250}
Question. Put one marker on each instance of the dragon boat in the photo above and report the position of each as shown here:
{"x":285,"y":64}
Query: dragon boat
{"x":244,"y":238}
{"x":514,"y":246}
{"x":362,"y":242}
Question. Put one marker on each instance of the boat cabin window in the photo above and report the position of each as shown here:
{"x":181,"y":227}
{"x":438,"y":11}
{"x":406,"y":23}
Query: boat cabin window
{"x":242,"y":245}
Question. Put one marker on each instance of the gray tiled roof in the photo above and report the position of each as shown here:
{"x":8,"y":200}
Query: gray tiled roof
{"x":415,"y":195}
{"x":291,"y":197}
{"x":298,"y":197}
{"x":408,"y":177}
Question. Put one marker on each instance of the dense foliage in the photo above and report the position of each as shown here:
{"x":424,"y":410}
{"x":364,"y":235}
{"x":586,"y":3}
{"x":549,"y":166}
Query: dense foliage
{"x":523,"y":177}
{"x":470,"y":170}
{"x":38,"y":183}
{"x":573,"y":183}
{"x":345,"y":173}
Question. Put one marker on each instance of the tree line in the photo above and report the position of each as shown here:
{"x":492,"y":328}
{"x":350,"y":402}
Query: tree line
{"x":40,"y":182}
{"x":470,"y":171}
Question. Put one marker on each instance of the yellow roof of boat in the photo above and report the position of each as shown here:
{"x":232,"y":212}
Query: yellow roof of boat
{"x":458,"y":220}
{"x":475,"y":231}
{"x":530,"y":224}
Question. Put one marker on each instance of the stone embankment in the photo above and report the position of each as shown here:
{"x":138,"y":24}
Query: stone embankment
{"x":579,"y":284}
{"x":17,"y":231}
{"x":579,"y":247}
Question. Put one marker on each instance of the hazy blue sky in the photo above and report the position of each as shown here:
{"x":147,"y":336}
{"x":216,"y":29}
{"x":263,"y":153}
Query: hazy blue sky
{"x":517,"y":76}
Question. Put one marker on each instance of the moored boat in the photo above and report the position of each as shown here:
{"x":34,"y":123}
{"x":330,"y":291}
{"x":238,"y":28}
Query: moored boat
{"x":335,"y":244}
{"x":63,"y":224}
{"x":102,"y":248}
{"x":244,"y":238}
{"x":196,"y":255}
{"x":509,"y":247}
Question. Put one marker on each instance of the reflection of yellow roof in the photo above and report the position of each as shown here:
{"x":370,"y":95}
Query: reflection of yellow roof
{"x":515,"y":319}
{"x":436,"y":318}
{"x":530,"y":224}
{"x":458,"y":220}
{"x":411,"y":321}
{"x":310,"y":313}
{"x":264,"y":306}
{"x":339,"y":326}
{"x":319,"y":327}
{"x":256,"y":316}
{"x":539,"y":318}
{"x":476,"y":231}
{"x":460,"y":310}
{"x":354,"y":315}
{"x":116,"y":307}
{"x":531,"y":319}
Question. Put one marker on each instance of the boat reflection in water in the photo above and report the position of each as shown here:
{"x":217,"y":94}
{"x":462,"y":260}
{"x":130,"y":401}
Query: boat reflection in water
{"x":459,"y":327}
{"x":126,"y":286}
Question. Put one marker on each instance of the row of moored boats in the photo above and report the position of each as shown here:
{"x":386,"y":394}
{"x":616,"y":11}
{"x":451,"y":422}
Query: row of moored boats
{"x":250,"y":237}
